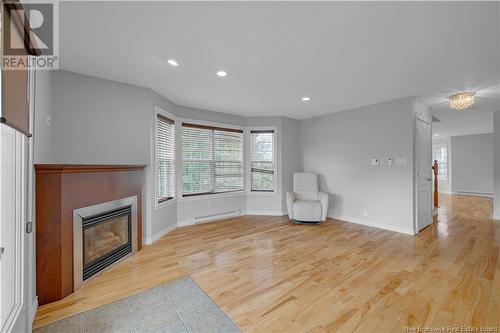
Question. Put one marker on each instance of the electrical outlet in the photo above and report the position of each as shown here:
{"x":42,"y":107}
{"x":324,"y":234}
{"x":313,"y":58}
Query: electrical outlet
{"x":389,"y":161}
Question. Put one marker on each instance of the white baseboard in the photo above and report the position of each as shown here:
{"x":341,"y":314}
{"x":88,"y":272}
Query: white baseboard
{"x":266,"y":212}
{"x":158,"y":235}
{"x":34,"y":309}
{"x":475,"y":194}
{"x":377,"y":225}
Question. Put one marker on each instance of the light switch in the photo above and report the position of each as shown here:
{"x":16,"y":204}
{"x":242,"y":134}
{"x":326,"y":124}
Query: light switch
{"x":375,"y":161}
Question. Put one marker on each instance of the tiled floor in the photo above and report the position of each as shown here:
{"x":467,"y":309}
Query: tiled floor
{"x":180,"y":306}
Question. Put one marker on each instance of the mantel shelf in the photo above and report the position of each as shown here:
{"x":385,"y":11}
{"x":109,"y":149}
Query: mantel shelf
{"x":85,"y":168}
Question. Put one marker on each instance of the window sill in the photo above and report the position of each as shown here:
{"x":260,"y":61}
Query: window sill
{"x":263,"y":193}
{"x":165,"y":204}
{"x":210,"y":196}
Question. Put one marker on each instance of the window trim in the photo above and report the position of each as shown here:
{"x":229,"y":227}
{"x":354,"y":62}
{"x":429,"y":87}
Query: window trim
{"x":275,"y":190}
{"x":194,"y":123}
{"x":163,"y":202}
{"x":446,"y":145}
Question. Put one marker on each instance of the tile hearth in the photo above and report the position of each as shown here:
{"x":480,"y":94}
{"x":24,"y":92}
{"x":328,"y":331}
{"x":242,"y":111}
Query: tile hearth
{"x":179,"y":306}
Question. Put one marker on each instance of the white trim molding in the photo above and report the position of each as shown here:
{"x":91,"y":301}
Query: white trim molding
{"x":151,"y":239}
{"x":407,"y":231}
{"x":266,"y":212}
{"x":34,"y":309}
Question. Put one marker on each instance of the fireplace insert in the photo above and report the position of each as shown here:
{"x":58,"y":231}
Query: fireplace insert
{"x":102,"y":235}
{"x":106,"y":238}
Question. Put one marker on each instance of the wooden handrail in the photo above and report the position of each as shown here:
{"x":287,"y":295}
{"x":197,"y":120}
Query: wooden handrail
{"x":435,"y":168}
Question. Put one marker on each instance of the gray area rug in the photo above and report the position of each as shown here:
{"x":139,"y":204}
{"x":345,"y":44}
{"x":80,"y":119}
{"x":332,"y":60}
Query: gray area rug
{"x":179,"y":306}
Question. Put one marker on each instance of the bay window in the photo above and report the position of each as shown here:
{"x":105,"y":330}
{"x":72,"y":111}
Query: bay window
{"x":212,"y":159}
{"x":262,"y":164}
{"x":165,"y":159}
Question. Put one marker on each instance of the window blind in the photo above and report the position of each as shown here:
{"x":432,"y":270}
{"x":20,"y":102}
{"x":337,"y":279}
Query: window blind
{"x":165,"y":158}
{"x":262,"y":161}
{"x":212,"y":159}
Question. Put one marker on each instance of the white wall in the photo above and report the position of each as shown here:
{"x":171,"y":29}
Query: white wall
{"x":496,"y":154}
{"x":339,"y":148}
{"x":472,"y":160}
{"x":444,"y":186}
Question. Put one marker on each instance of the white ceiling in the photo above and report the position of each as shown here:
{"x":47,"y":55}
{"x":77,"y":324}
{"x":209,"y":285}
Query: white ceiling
{"x":342,"y":55}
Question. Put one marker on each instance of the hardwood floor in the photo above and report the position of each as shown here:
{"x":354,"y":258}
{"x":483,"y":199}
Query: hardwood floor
{"x":270,"y":275}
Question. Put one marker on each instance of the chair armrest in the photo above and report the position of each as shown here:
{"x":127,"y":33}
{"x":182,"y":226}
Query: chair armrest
{"x":323,"y":199}
{"x":290,"y":199}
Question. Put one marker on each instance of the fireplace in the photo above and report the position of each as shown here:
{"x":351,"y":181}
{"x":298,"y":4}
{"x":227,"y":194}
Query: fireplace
{"x":103,"y":234}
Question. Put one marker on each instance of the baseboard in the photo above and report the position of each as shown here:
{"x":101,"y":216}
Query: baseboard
{"x":158,"y":235}
{"x":265,"y":212}
{"x":34,"y":309}
{"x":475,"y":194}
{"x":372,"y":224}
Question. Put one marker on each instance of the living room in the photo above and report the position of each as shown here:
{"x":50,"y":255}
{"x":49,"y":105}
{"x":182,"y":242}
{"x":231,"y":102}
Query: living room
{"x":249,"y":166}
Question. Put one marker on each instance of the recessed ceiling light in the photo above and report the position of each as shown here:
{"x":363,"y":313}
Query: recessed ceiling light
{"x":221,"y":73}
{"x":305,"y":99}
{"x":172,"y":62}
{"x":436,"y":134}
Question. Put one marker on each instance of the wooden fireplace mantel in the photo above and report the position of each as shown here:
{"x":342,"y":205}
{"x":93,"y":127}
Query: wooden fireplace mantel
{"x":61,"y":188}
{"x":75,"y":168}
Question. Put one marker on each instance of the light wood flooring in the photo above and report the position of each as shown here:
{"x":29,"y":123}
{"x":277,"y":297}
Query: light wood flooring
{"x":270,"y":275}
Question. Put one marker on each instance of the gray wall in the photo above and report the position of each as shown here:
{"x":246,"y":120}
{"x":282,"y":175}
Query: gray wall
{"x":98,"y":121}
{"x":291,"y":154}
{"x":42,"y":136}
{"x":94,"y":117}
{"x":472,"y":160}
{"x":496,"y":154}
{"x":339,"y":147}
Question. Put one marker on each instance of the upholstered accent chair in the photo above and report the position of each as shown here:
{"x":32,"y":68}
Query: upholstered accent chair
{"x":306,"y":204}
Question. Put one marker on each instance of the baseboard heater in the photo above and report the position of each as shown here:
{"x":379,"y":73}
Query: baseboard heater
{"x":218,"y":216}
{"x":482,"y":194}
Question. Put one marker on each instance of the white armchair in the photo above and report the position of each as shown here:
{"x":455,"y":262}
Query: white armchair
{"x":306,"y":203}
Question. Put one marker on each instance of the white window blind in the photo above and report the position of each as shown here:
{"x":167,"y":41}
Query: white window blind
{"x":212,"y":159}
{"x":262,"y":165}
{"x":165,"y":158}
{"x":440,"y":154}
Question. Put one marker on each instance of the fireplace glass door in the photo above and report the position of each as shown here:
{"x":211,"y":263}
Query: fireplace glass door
{"x":106,"y":239}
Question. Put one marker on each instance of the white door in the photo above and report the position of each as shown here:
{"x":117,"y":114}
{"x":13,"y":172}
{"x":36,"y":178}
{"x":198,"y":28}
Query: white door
{"x":424,"y":174}
{"x":13,"y":187}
